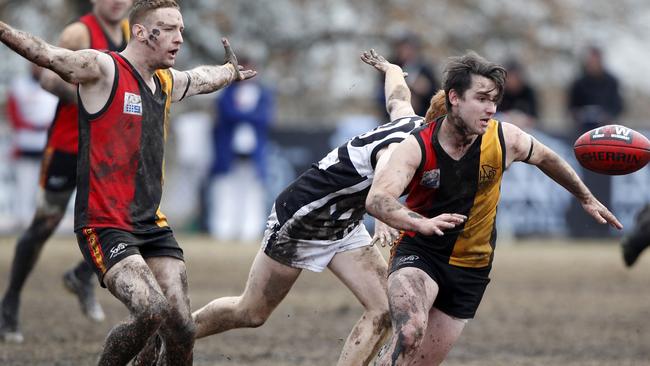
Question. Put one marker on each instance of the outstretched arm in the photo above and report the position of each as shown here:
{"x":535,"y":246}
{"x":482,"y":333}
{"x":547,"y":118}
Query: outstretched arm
{"x":84,"y":66}
{"x":398,"y":94}
{"x":209,"y":78}
{"x":521,"y":146}
{"x":389,"y":183}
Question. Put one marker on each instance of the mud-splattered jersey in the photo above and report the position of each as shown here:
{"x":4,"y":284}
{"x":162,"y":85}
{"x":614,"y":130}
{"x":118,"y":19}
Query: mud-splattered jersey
{"x":121,"y":147}
{"x":470,"y":186}
{"x":330,"y":197}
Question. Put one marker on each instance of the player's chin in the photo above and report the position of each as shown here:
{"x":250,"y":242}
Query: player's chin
{"x":167,"y":63}
{"x":480,"y":130}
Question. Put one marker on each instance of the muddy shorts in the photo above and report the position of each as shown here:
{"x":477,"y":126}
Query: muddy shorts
{"x":102,"y":248}
{"x":58,"y":171}
{"x":460,"y":289}
{"x":313,"y":255}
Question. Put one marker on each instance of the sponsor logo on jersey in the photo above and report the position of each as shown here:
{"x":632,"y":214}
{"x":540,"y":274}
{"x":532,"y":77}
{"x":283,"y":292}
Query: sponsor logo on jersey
{"x":132,"y":104}
{"x":486,"y":175}
{"x":431,"y":178}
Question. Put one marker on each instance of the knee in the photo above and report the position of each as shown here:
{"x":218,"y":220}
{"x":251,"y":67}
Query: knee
{"x":152,"y":315}
{"x":252,"y":314}
{"x":43,"y":225}
{"x":410,"y":335}
{"x":182,"y":326}
{"x":250,"y":311}
{"x":255,"y":318}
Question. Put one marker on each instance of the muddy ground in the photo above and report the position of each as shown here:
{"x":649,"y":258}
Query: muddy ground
{"x":549,"y":303}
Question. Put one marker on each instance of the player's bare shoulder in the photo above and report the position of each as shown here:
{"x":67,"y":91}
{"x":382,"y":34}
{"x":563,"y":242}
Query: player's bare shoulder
{"x":518,"y":143}
{"x":75,"y":37}
{"x":407,"y":153}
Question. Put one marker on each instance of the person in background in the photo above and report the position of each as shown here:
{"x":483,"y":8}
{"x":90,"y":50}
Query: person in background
{"x":185,"y":181}
{"x":104,"y":28}
{"x":519,"y":103}
{"x":594,"y":100}
{"x":30,"y":110}
{"x":420,"y":75}
{"x":236,"y":188}
{"x":594,"y":97}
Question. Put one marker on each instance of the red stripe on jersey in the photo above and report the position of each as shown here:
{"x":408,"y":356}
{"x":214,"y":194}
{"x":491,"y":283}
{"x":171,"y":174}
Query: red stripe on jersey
{"x":420,"y":195}
{"x":63,"y":133}
{"x":115,"y":155}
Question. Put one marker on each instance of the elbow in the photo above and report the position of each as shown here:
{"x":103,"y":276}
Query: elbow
{"x":373,"y":203}
{"x":369,"y":203}
{"x":399,"y":94}
{"x":392,"y":105}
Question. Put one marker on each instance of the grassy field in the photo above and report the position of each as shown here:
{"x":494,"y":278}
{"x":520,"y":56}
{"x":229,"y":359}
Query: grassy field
{"x":549,"y":303}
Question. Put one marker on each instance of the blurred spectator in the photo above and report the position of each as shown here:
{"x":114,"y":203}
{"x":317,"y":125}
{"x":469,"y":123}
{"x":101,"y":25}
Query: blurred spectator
{"x":594,"y":100}
{"x":519,"y":103}
{"x":421,"y":78}
{"x":594,"y":97}
{"x":30,"y":110}
{"x":186,"y":178}
{"x":236,"y":190}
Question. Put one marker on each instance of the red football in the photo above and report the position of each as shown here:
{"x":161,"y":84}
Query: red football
{"x":612,"y":150}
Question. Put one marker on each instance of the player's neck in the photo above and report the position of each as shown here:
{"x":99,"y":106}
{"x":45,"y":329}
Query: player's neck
{"x":138,"y":60}
{"x":454,"y":138}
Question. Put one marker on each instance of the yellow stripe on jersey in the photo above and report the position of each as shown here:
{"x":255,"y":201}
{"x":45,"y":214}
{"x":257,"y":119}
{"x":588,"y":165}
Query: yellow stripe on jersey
{"x":126,"y":29}
{"x":473,"y":248}
{"x":161,"y":219}
{"x":167,"y":84}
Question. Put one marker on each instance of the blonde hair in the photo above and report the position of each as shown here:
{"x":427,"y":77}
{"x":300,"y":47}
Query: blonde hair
{"x":437,"y":107}
{"x":143,"y":7}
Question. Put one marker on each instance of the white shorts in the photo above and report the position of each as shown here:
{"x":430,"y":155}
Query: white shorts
{"x":313,"y":255}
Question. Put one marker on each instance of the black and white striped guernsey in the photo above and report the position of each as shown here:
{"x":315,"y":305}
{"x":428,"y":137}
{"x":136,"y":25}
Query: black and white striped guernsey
{"x":328,"y":200}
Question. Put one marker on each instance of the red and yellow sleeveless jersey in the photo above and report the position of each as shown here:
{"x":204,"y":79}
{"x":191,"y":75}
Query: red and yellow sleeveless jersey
{"x":63,"y":134}
{"x":469,"y":186}
{"x":121,"y":148}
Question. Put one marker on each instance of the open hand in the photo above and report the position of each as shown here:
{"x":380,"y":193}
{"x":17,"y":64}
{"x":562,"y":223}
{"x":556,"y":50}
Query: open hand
{"x":437,"y":224}
{"x":372,"y":58}
{"x":600,"y":213}
{"x":240,"y":73}
{"x":384,"y":234}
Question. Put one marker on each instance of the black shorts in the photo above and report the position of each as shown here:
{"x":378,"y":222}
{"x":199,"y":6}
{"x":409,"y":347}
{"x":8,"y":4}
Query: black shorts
{"x":58,"y":171}
{"x":460,"y":289}
{"x":102,"y":248}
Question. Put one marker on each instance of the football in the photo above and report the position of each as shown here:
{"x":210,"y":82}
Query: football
{"x":612,"y":150}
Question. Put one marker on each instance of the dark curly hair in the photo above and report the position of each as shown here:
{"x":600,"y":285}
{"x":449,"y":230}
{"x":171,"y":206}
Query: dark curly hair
{"x":458,"y":74}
